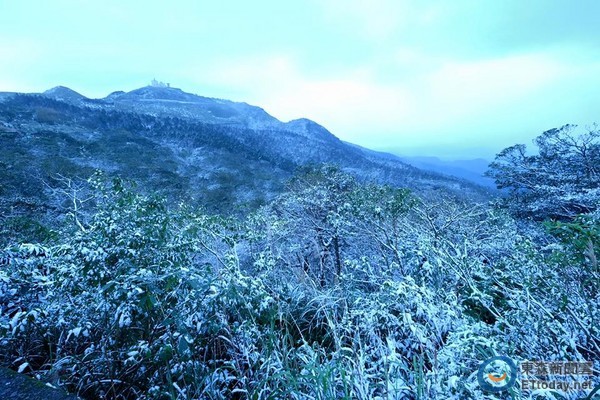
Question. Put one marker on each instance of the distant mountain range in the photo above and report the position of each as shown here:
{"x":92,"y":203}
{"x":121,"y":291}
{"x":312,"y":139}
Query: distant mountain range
{"x":221,"y":154}
{"x":471,"y":170}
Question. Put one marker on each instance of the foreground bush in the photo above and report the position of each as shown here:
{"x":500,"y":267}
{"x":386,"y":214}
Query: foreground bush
{"x":336,"y":290}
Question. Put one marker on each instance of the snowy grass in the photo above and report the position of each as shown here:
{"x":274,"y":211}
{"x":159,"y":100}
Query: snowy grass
{"x":334,"y":291}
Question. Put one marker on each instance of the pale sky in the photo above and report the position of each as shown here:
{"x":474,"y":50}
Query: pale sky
{"x":448,"y":78}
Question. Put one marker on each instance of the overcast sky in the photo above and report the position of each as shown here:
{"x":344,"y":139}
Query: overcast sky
{"x":456,"y":78}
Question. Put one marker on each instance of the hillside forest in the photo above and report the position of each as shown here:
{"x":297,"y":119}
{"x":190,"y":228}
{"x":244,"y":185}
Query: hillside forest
{"x":335,"y":285}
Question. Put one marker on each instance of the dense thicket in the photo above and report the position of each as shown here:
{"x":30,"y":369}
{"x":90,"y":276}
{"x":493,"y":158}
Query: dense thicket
{"x":559,"y":179}
{"x":336,"y":289}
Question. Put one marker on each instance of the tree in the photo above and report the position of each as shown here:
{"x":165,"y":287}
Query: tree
{"x":315,"y":209}
{"x":561,"y":181}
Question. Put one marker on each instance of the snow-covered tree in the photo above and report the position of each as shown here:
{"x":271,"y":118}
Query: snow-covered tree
{"x":560,"y":181}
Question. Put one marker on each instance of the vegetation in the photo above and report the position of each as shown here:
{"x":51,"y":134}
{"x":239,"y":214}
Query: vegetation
{"x":336,"y":289}
{"x":223,"y":166}
{"x":561,"y":181}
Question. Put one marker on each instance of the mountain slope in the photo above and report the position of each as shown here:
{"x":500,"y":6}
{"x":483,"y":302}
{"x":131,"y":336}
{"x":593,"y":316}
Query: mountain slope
{"x":65,"y":94}
{"x":218,"y":153}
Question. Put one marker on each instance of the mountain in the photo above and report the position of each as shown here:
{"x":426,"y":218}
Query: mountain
{"x":472,"y":170}
{"x":166,"y":101}
{"x":64,"y":94}
{"x":218,"y":153}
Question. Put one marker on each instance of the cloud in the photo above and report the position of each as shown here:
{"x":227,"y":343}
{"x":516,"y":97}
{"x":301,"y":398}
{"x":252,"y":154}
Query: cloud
{"x":18,"y":57}
{"x":379,"y":20}
{"x":448,"y":101}
{"x":338,"y":101}
{"x":375,"y":18}
{"x":373,"y":72}
{"x":468,"y":88}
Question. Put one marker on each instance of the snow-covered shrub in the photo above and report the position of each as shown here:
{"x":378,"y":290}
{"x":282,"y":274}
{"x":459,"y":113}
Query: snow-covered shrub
{"x":335,"y":290}
{"x":135,"y":301}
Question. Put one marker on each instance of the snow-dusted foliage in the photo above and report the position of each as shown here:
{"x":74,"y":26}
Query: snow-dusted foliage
{"x":337,"y":289}
{"x":561,"y":181}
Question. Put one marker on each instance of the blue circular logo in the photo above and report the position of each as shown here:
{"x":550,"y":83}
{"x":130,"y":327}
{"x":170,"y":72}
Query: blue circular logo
{"x":497,"y":374}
